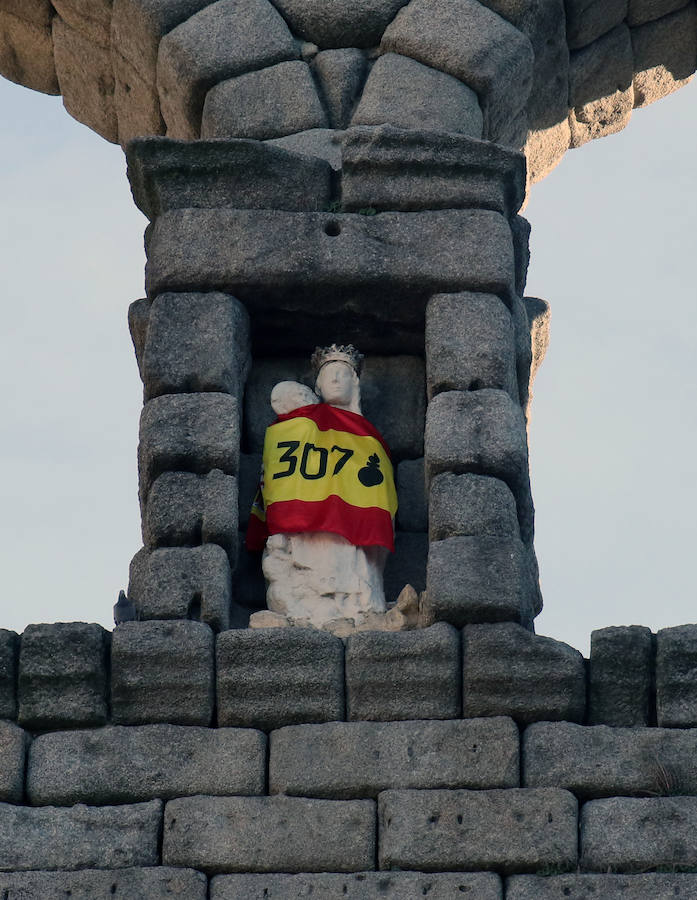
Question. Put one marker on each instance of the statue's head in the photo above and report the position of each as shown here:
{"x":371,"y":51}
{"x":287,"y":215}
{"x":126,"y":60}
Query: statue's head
{"x":337,"y":370}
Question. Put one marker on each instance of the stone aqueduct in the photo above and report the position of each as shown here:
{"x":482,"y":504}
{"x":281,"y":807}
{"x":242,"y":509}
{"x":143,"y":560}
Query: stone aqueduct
{"x":317,"y":170}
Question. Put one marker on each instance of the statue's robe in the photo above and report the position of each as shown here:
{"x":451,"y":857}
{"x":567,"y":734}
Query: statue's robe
{"x":324,"y":514}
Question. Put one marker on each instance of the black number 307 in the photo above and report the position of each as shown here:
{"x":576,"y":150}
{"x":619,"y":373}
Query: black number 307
{"x":313,"y":460}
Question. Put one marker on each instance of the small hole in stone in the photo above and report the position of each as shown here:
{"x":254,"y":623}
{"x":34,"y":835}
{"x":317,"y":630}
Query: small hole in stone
{"x":333,"y":229}
{"x":194,"y":610}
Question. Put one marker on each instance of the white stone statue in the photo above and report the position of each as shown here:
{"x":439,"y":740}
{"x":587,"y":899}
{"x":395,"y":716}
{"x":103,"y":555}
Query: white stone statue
{"x":329,"y":501}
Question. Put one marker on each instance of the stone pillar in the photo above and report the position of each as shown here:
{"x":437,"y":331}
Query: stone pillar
{"x":413,"y":251}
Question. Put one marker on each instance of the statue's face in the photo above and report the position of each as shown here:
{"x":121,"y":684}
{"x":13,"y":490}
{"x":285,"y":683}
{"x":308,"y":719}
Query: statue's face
{"x":336,"y":382}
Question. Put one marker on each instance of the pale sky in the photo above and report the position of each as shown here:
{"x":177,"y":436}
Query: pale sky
{"x":613,"y":421}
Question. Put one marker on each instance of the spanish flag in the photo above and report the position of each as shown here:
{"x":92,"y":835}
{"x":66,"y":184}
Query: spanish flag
{"x":325,"y":469}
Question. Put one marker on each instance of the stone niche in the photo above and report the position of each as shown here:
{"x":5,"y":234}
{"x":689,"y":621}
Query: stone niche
{"x":255,"y":255}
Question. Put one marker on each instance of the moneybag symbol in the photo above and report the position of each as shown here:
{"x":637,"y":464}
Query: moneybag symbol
{"x":370,"y":475}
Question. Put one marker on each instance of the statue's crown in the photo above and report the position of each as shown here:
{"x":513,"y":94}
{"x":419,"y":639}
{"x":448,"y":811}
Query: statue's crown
{"x":337,"y":353}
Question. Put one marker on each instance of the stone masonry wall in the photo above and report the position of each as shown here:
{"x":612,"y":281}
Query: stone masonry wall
{"x":163,"y":760}
{"x":544,"y":75}
{"x":256,"y":254}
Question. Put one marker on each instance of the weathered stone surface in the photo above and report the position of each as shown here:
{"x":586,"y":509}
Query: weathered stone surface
{"x":320,"y":143}
{"x":358,"y":24}
{"x":272,"y":677}
{"x":185,"y":509}
{"x":162,"y":672}
{"x":365,"y":886}
{"x":403,"y":675}
{"x":81,"y":837}
{"x":9,"y":652}
{"x":471,"y":505}
{"x":479,"y":578}
{"x":196,"y":342}
{"x":477,"y":431}
{"x":635,"y":835}
{"x":92,"y":18}
{"x":137,"y":26}
{"x":609,"y":887}
{"x":381,"y":262}
{"x":272,"y":102}
{"x":186,"y":583}
{"x":642,"y":11}
{"x":393,"y":398}
{"x":62,"y":676}
{"x":341,"y":74}
{"x":126,"y":765}
{"x":520,"y":229}
{"x":676,"y":688}
{"x":86,"y":80}
{"x":13,"y":747}
{"x":510,"y":831}
{"x":665,"y":55}
{"x":469,"y":41}
{"x":412,"y":513}
{"x":38,"y":12}
{"x":545,"y":24}
{"x":189,"y":432}
{"x":26,"y":53}
{"x":269,"y":834}
{"x":392,"y":168}
{"x":346,"y":760}
{"x":400,"y":91}
{"x":157,"y":883}
{"x":545,"y":149}
{"x":167,"y":174}
{"x":621,"y":676}
{"x":136,"y":102}
{"x":407,"y":565}
{"x":223,"y":40}
{"x":510,"y":672}
{"x":470,"y":344}
{"x":539,"y":316}
{"x":601,"y":96}
{"x":138,"y":320}
{"x":587,"y":20}
{"x":601,"y":761}
{"x":521,"y":323}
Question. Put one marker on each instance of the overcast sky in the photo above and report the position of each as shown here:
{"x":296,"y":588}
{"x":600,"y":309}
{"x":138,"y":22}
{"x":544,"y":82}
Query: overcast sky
{"x":613,"y":420}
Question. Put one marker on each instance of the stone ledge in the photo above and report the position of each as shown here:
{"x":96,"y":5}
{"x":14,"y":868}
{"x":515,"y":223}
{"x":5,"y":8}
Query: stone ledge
{"x":405,"y":675}
{"x":607,"y":887}
{"x":63,"y":676}
{"x":81,"y":837}
{"x":269,"y":834}
{"x":153,"y":883}
{"x":507,"y":671}
{"x":268,"y":678}
{"x":361,"y":886}
{"x":627,"y":835}
{"x":366,"y":269}
{"x":127,"y":765}
{"x":514,"y":830}
{"x":390,"y":168}
{"x":244,"y":174}
{"x":599,"y":761}
{"x":347,"y":760}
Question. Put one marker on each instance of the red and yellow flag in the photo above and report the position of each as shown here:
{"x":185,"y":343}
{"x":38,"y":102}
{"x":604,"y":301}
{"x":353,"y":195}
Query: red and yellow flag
{"x":325,"y":469}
